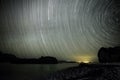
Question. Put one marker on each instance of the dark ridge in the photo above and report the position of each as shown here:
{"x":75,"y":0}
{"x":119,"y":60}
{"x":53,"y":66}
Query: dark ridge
{"x":10,"y":58}
{"x":109,"y":55}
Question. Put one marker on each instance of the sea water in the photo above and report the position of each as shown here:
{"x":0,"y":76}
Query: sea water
{"x":30,"y":71}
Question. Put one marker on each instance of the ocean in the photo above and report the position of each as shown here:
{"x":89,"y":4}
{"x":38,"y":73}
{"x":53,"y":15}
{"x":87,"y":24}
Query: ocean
{"x":30,"y":71}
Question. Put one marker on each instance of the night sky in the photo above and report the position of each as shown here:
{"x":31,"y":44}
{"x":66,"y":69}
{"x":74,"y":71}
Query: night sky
{"x":65,"y":29}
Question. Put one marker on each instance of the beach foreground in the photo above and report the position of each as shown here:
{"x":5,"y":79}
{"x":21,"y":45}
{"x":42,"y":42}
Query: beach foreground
{"x":88,"y":72}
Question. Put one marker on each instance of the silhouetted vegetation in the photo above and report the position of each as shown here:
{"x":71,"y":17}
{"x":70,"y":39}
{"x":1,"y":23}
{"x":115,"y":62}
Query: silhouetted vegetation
{"x":108,"y":55}
{"x":5,"y":57}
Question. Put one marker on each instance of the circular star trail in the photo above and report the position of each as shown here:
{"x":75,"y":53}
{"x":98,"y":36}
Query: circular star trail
{"x":65,"y":29}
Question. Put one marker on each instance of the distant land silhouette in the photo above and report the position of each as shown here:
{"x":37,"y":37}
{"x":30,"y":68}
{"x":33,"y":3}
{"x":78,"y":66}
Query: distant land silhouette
{"x":109,"y":55}
{"x":10,"y":58}
{"x":105,"y":55}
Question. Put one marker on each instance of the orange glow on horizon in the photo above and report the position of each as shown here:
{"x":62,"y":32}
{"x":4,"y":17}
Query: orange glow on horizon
{"x":83,"y":59}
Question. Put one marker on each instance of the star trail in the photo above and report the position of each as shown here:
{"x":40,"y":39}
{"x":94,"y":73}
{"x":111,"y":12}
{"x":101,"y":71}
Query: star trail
{"x":65,"y":29}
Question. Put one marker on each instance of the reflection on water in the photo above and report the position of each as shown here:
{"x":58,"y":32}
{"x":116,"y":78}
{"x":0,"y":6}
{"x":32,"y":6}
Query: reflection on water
{"x":30,"y":71}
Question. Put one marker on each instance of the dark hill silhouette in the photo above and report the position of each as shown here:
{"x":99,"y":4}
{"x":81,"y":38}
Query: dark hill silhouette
{"x":48,"y":59}
{"x":10,"y":58}
{"x":108,"y":55}
{"x":6,"y":57}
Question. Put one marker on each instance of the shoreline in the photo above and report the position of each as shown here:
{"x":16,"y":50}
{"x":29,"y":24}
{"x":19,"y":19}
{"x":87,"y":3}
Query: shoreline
{"x":88,"y":72}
